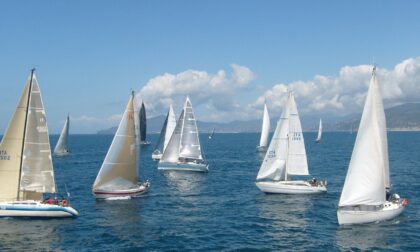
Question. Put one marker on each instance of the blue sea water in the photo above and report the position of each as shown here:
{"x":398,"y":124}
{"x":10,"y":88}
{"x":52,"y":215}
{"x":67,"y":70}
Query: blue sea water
{"x":222,"y":210}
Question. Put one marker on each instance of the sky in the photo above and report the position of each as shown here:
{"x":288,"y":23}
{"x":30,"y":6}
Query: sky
{"x":229,"y":56}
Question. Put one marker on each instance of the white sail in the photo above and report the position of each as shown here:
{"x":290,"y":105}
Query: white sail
{"x":171,"y":152}
{"x":170,"y":126}
{"x":318,"y":138}
{"x":61,"y":146}
{"x":190,"y":142}
{"x":274,"y":165}
{"x":368,"y":172}
{"x":11,"y":149}
{"x":265,"y":129}
{"x":37,"y":174}
{"x":119,"y":169}
{"x":297,"y":163}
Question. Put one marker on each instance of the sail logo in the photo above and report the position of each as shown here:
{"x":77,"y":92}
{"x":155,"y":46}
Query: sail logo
{"x":41,"y":129}
{"x":271,"y":154}
{"x":4,"y":155}
{"x":296,"y":136}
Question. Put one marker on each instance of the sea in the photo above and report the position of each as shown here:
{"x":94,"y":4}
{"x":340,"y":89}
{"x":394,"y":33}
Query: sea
{"x":221,"y":210}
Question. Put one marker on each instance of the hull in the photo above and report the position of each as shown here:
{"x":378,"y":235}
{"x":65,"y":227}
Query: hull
{"x":353,"y":216}
{"x":61,"y":154}
{"x":183,"y":167}
{"x":290,"y":187}
{"x":35,"y":209}
{"x":261,"y":148}
{"x":122,"y":194}
{"x":156,"y":156}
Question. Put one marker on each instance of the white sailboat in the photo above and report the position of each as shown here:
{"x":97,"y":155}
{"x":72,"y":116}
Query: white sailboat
{"x":318,"y":138}
{"x":61,"y":148}
{"x":265,"y":130}
{"x":183,"y":152}
{"x":211,"y":133}
{"x":365,"y":192}
{"x":118,"y":176}
{"x":26,"y":170}
{"x":286,"y":156}
{"x":165,"y":134}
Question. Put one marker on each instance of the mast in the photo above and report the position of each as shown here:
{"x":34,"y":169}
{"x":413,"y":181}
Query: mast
{"x":24,"y":130}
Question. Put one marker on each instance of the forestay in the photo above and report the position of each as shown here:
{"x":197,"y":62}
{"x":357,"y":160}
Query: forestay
{"x":368,"y":173}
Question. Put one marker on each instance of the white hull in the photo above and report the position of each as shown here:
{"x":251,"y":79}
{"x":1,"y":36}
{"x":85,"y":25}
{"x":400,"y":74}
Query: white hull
{"x":183,"y":167}
{"x":35,"y":209}
{"x":261,"y":148}
{"x":122,"y":194}
{"x":156,"y":156}
{"x":290,"y":187}
{"x":353,"y":216}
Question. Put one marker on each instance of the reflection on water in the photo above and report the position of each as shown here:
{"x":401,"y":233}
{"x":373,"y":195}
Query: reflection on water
{"x":285,"y":217}
{"x":185,"y":183}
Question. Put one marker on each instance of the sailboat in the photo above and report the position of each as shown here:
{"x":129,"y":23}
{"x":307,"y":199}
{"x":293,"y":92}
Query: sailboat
{"x":165,"y":134}
{"x":286,"y":156}
{"x":61,"y":148}
{"x":183,"y":152}
{"x":366,"y":193}
{"x":211,"y":134}
{"x":118,"y":176}
{"x":26,"y":169}
{"x":318,"y":138}
{"x":143,"y":125}
{"x":265,"y":130}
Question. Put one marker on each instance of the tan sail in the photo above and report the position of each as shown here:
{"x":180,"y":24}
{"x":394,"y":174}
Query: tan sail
{"x":119,"y":169}
{"x":37,"y":174}
{"x":11,"y":149}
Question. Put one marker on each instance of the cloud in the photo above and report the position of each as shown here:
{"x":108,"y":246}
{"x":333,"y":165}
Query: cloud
{"x":345,"y":93}
{"x":216,"y":91}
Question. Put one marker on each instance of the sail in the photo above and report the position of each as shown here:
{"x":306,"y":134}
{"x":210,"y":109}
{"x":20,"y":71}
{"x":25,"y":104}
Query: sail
{"x":61,"y":146}
{"x":274,"y":165}
{"x":160,"y":143}
{"x":170,"y":126}
{"x":11,"y":149}
{"x":318,"y":138}
{"x":265,"y":129}
{"x":171,"y":152}
{"x":297,"y":163}
{"x":190,"y":142}
{"x":368,"y":172}
{"x":119,"y":169}
{"x":143,"y":125}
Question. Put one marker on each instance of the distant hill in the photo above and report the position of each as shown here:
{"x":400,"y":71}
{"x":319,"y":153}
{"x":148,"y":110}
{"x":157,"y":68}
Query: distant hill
{"x":404,"y":117}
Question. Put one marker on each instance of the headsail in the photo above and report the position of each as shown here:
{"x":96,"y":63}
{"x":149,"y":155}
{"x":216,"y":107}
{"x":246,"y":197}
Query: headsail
{"x":318,"y":138}
{"x":171,"y":152}
{"x":265,"y":129}
{"x":161,"y":141}
{"x":170,"y":126}
{"x":190,"y":142}
{"x":61,"y":146}
{"x":119,"y":169}
{"x":368,"y":172}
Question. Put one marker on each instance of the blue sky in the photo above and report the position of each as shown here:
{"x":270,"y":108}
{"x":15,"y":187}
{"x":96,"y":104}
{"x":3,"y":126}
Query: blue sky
{"x":89,"y":54}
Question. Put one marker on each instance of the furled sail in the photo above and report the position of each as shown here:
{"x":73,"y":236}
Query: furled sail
{"x":274,"y":165}
{"x":190,"y":142}
{"x":11,"y":148}
{"x":318,"y":138}
{"x":297,"y":163}
{"x":265,"y":129}
{"x":368,"y":172}
{"x":37,"y":173}
{"x":61,"y":146}
{"x":119,"y":169}
{"x":171,"y":153}
{"x":143,"y":125}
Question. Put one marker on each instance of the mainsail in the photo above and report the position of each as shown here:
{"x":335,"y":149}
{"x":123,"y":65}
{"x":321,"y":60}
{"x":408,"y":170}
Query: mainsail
{"x":318,"y":138}
{"x":190,"y":142}
{"x":368,"y":173}
{"x":143,"y":125}
{"x":265,"y":129}
{"x":26,"y":169}
{"x":61,"y":146}
{"x":119,"y":169}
